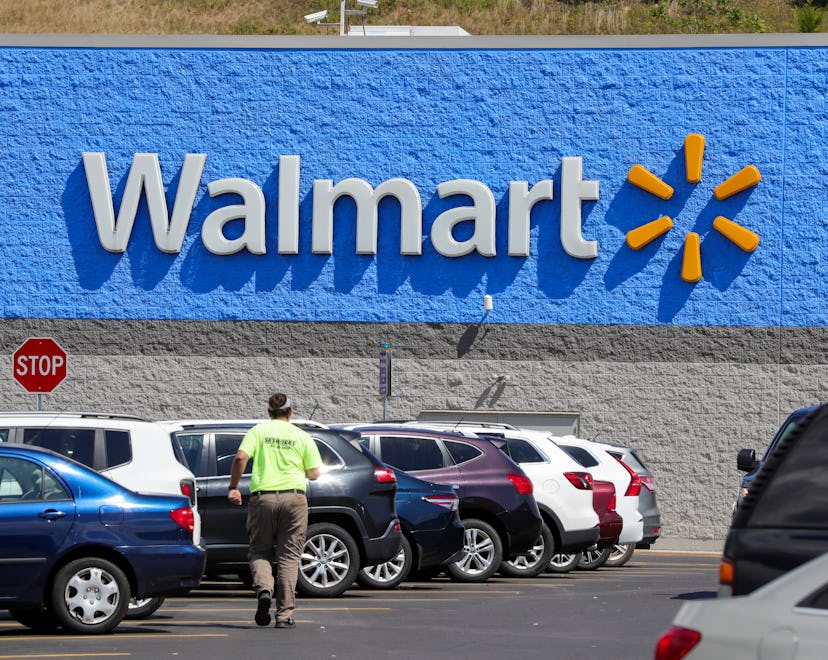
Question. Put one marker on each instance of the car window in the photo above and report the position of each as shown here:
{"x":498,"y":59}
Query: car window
{"x":4,"y":435}
{"x":796,"y":493}
{"x":411,"y":453}
{"x":11,"y":487}
{"x":330,"y":459}
{"x":192,"y":444}
{"x":522,"y":451}
{"x":77,"y":444}
{"x":227,"y":444}
{"x":118,"y":448}
{"x":817,"y":600}
{"x":581,"y":455}
{"x":23,"y":481}
{"x":462,"y":452}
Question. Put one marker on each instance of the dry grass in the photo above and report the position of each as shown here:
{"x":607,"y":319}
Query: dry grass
{"x":500,"y":17}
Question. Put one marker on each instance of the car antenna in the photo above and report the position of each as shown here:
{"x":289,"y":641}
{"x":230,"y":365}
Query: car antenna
{"x":459,"y":422}
{"x":313,"y":412}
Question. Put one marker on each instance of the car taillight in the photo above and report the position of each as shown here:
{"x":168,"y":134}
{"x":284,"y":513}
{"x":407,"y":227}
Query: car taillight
{"x":188,"y":489}
{"x":635,"y":481}
{"x":184,"y":517}
{"x":581,"y":480}
{"x":385,"y":475}
{"x":451,"y":502}
{"x":648,"y":482}
{"x":726,"y":572}
{"x":522,"y":483}
{"x":611,"y":506}
{"x":676,"y":643}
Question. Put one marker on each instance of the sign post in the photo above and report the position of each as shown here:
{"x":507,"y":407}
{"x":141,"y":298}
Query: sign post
{"x":385,"y":378}
{"x":39,"y":365}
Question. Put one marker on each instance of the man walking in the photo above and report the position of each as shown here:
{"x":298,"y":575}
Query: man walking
{"x":277,"y":513}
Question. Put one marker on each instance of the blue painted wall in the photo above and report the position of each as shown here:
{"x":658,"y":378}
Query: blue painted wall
{"x":429,"y":116}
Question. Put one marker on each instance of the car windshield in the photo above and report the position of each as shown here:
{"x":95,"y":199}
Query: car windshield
{"x":785,"y":430}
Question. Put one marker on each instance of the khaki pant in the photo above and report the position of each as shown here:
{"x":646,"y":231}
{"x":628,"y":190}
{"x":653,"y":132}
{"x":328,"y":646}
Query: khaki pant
{"x":277,"y":524}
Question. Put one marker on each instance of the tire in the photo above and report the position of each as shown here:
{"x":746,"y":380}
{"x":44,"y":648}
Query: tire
{"x":561,"y":563}
{"x":592,"y":559}
{"x":90,"y":596}
{"x":141,"y":608}
{"x":620,"y":554}
{"x":390,"y":574}
{"x":36,"y":618}
{"x":482,"y":553}
{"x":329,"y":562}
{"x":533,"y":562}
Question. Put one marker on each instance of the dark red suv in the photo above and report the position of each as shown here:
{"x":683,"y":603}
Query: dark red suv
{"x":497,"y":506}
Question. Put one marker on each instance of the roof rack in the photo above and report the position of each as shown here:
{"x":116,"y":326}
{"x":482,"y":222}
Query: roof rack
{"x":79,"y":415}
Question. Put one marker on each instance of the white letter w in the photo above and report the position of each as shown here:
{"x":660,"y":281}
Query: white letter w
{"x":144,"y":175}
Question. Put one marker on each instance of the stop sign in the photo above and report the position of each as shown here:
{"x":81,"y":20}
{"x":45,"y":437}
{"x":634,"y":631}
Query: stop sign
{"x":39,"y":365}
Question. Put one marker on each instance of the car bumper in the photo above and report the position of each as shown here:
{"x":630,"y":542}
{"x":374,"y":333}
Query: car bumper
{"x":440,"y":546}
{"x":385,"y":547}
{"x":165,"y":570}
{"x":578,"y":539}
{"x":523,"y":527}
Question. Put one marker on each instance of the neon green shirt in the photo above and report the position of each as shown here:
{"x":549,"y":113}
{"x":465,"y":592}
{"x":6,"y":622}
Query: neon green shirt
{"x":281,"y":453}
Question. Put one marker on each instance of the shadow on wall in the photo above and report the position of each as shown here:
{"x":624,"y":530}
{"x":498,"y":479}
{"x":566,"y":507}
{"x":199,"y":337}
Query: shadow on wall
{"x":431,"y":274}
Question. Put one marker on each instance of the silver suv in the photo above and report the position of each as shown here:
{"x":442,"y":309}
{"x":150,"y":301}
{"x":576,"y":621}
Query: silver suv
{"x":137,"y":453}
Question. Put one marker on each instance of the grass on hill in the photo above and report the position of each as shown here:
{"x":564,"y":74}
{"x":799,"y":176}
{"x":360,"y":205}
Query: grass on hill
{"x":479,"y":17}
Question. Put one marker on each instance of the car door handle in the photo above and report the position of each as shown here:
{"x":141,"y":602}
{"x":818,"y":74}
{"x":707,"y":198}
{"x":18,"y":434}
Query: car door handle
{"x":51,"y":514}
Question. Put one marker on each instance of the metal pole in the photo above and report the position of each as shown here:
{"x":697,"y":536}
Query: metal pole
{"x":342,"y":19}
{"x":39,"y":402}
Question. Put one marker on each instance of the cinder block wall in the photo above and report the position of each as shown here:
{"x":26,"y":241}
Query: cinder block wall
{"x":687,"y":398}
{"x":686,"y":372}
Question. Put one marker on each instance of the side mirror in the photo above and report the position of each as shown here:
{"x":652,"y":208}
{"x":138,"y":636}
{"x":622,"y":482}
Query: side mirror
{"x":746,"y":460}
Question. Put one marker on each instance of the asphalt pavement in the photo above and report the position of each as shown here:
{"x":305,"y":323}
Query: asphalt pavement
{"x":615,"y":613}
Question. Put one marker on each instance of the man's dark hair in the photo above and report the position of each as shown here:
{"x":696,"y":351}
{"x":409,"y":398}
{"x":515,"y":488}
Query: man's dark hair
{"x":278,"y":405}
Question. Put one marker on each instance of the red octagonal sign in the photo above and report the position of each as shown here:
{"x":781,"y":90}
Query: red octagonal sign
{"x":39,"y":365}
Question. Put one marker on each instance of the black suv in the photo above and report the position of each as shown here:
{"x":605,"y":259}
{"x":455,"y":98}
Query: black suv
{"x":497,"y":507}
{"x":352,"y":517}
{"x":781,"y":521}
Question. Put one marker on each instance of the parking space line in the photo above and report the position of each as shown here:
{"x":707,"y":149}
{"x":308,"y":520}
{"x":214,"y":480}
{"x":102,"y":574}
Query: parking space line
{"x":103,"y":638}
{"x":66,"y":655}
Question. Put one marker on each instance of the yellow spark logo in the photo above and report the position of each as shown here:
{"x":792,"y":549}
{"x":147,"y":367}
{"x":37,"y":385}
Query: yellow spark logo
{"x":747,"y":177}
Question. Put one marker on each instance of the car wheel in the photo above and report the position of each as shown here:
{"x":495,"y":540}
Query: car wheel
{"x":390,"y":574}
{"x":36,"y":618}
{"x":329,"y":562}
{"x":535,"y":561}
{"x":620,"y":554}
{"x":141,"y":608}
{"x":90,"y":596}
{"x":482,"y":553}
{"x":592,"y":559}
{"x":561,"y":563}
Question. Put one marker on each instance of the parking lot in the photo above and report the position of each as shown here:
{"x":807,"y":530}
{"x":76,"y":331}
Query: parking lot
{"x":609,"y":613}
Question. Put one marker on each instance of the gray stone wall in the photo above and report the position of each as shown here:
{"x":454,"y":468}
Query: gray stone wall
{"x":687,"y":398}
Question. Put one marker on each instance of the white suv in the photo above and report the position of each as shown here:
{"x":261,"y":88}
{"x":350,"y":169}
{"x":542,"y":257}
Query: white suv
{"x":595,"y":457}
{"x":142,"y":455}
{"x":562,"y":489}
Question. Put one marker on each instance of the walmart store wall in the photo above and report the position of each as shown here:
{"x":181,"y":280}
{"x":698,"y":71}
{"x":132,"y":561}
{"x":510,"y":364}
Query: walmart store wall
{"x":686,"y":372}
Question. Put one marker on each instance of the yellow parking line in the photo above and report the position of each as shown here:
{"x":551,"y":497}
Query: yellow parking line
{"x":193,"y":610}
{"x":68,"y":655}
{"x":107,"y":637}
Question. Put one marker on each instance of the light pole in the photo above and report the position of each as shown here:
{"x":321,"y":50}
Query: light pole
{"x":320,"y":17}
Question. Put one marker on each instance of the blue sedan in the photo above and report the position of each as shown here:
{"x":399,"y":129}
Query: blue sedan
{"x":76,"y":546}
{"x":433,"y":533}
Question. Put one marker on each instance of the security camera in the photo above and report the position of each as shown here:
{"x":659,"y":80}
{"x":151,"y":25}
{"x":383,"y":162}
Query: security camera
{"x":317,"y":16}
{"x":368,"y":3}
